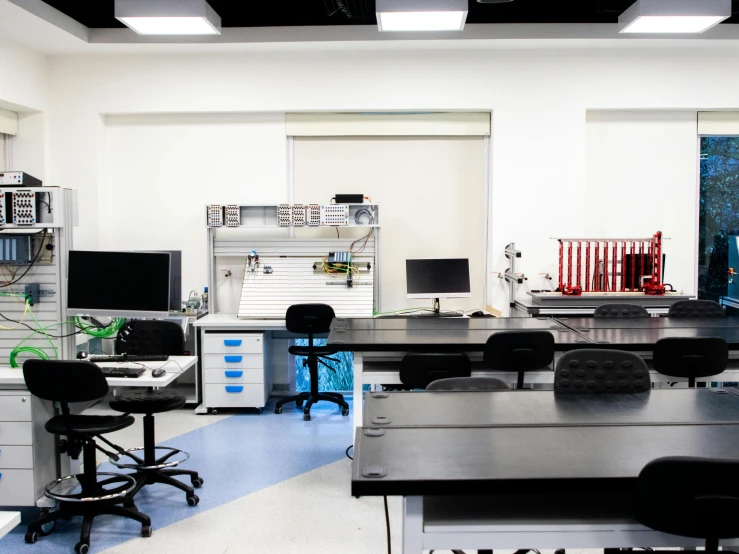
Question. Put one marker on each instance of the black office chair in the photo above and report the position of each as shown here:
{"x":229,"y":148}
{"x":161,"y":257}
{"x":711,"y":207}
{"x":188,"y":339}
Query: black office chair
{"x":597,"y":371}
{"x":468,"y":384}
{"x":81,"y":495}
{"x":620,"y":311}
{"x":142,"y":337}
{"x":690,"y":497}
{"x":149,"y":338}
{"x":691,"y":357}
{"x":417,"y":371}
{"x":692,"y":309}
{"x":519,"y":351}
{"x":311,"y":319}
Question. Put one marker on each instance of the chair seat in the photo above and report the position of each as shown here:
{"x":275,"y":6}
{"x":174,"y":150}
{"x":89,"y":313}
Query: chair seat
{"x":317,"y":350}
{"x":468,"y":384}
{"x":148,"y":402}
{"x":89,"y":426}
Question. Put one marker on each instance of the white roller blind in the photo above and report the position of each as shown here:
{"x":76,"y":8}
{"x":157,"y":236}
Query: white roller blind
{"x":432,"y":196}
{"x":8,"y":122}
{"x":718,"y":123}
{"x":387,"y":125}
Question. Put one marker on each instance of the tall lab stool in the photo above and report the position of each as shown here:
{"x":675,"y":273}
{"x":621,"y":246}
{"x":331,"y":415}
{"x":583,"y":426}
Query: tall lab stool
{"x":691,"y":357}
{"x":148,"y":467}
{"x":690,"y":497}
{"x":519,"y":351}
{"x":311,"y":319}
{"x":149,"y":338}
{"x":82,"y":495}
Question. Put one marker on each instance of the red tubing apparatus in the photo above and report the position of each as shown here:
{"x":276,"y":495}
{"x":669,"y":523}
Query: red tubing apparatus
{"x":611,"y":265}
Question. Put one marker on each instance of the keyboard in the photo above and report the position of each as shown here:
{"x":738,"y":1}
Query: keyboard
{"x":130,"y":372}
{"x":128,"y":358}
{"x":421,"y":315}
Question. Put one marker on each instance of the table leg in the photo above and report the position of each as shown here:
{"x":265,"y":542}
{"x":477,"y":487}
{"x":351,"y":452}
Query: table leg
{"x":413,"y":525}
{"x":358,"y":382}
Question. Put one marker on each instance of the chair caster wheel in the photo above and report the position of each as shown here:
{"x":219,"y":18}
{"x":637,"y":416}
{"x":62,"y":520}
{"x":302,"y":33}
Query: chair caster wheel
{"x":278,"y":410}
{"x":146,"y":531}
{"x":306,"y":417}
{"x":260,"y":410}
{"x":81,"y":548}
{"x":214,"y":411}
{"x":193,"y":500}
{"x":345,"y":411}
{"x":299,"y":403}
{"x":197,"y":482}
{"x":31,"y":537}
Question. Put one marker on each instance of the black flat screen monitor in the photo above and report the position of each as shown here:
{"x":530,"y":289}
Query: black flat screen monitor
{"x":118,"y":284}
{"x":175,"y":278}
{"x":438,"y":278}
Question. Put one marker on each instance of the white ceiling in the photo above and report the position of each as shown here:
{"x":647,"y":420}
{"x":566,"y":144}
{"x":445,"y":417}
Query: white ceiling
{"x":34,"y":24}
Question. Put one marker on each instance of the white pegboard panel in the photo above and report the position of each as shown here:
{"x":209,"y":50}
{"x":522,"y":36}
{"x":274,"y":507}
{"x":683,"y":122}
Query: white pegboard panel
{"x":294,"y":281}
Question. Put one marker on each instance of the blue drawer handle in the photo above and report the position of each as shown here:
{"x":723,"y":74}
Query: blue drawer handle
{"x":232,"y":342}
{"x":234,"y":373}
{"x":233,"y":359}
{"x":234,"y":389}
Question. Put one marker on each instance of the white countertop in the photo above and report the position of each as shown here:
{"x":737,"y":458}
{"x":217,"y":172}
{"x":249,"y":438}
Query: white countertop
{"x":175,"y":366}
{"x":8,"y":520}
{"x":232,"y":320}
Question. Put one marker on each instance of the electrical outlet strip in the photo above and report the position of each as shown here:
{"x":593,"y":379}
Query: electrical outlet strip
{"x":24,"y":208}
{"x":215,"y":216}
{"x":298,"y":215}
{"x":284,"y":215}
{"x":233,"y":215}
{"x":313,"y":215}
{"x":334,"y":214}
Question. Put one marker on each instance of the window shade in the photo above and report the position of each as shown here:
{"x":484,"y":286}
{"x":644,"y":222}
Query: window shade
{"x":718,"y":123}
{"x":8,"y":122}
{"x":388,"y":125}
{"x":432,"y":201}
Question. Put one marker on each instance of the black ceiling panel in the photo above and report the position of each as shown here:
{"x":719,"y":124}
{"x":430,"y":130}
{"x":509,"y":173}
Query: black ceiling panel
{"x":289,"y":13}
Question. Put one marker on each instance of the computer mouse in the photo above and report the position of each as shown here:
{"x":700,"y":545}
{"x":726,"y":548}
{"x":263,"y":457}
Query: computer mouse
{"x":478,"y":313}
{"x":158,"y":372}
{"x":82,"y":355}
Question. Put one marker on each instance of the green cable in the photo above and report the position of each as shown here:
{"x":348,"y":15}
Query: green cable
{"x":17,"y":350}
{"x":51,"y":342}
{"x":106,"y":332}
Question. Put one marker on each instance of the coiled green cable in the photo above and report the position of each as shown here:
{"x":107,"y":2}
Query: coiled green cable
{"x":96,"y":332}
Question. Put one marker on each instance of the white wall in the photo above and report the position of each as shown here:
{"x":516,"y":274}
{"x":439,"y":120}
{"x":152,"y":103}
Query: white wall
{"x":539,"y":99}
{"x":160,"y":171}
{"x":23,"y":82}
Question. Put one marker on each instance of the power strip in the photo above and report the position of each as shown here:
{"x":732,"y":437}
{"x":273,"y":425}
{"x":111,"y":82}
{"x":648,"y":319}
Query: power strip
{"x":298,"y":215}
{"x":2,"y":209}
{"x":24,"y":208}
{"x":313,"y":215}
{"x":334,"y":214}
{"x":284,"y":215}
{"x":233,"y":216}
{"x":215,"y":216}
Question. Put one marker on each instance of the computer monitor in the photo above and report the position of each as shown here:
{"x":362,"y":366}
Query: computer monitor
{"x":438,"y":278}
{"x":175,"y":278}
{"x":118,"y":284}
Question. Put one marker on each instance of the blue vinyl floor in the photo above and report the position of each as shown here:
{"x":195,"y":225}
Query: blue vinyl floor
{"x":236,"y":456}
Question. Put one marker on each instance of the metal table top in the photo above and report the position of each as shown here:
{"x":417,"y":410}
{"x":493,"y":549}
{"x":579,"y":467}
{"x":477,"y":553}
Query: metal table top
{"x":525,"y":460}
{"x":526,"y":408}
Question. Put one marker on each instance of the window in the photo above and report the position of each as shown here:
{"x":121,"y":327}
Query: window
{"x":342,"y":379}
{"x":718,"y":242}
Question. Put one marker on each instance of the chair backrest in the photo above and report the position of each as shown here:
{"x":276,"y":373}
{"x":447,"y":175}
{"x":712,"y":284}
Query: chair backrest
{"x":690,"y":497}
{"x":597,"y":371}
{"x":468,"y":384}
{"x":519,"y":350}
{"x":691,"y":357}
{"x":620,"y":311}
{"x":418,"y":370}
{"x":696,"y":308}
{"x":148,"y":337}
{"x":65,"y":381}
{"x":309,"y":319}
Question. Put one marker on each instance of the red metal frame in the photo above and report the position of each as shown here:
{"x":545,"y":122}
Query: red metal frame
{"x":644,"y":253}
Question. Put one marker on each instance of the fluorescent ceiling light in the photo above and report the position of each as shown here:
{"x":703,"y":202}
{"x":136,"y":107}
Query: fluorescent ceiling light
{"x":673,"y":16}
{"x":168,"y":17}
{"x":421,"y":15}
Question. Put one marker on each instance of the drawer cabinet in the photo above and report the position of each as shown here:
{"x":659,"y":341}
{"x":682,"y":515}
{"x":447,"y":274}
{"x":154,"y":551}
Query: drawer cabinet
{"x":233,"y":369}
{"x":27,"y":460}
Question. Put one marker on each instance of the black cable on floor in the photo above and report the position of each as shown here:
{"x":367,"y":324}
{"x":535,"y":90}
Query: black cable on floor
{"x":347,"y":451}
{"x":387,"y":524}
